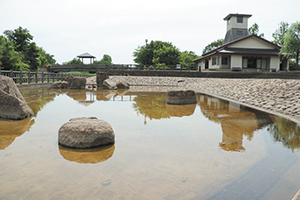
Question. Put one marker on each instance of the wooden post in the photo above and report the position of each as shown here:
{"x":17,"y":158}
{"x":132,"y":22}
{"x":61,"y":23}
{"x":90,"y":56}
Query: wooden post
{"x":11,"y":73}
{"x":42,"y":76}
{"x":53,"y":76}
{"x":21,"y":77}
{"x":29,"y":77}
{"x":36,"y":77}
{"x":48,"y":77}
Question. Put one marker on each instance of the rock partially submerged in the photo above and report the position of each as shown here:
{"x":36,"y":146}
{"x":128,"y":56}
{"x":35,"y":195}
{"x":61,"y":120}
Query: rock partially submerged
{"x":115,"y":83}
{"x":60,"y":85}
{"x":100,"y":77}
{"x":76,"y":82}
{"x":110,"y":84}
{"x":85,"y":132}
{"x":181,"y":97}
{"x":70,"y":82}
{"x":12,"y":103}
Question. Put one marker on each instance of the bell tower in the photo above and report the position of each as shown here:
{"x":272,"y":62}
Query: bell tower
{"x":237,"y":27}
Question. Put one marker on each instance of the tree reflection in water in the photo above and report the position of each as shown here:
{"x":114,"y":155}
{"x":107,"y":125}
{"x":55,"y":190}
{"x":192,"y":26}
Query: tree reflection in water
{"x":11,"y":129}
{"x":286,"y":132}
{"x":151,"y":105}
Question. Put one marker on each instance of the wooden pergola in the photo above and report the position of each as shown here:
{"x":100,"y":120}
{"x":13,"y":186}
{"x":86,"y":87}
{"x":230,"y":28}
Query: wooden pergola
{"x":87,"y":55}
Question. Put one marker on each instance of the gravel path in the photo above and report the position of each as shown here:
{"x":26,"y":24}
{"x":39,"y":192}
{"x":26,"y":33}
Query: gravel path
{"x":277,"y":96}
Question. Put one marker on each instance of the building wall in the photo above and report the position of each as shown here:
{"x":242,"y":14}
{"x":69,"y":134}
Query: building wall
{"x":201,"y":65}
{"x":251,"y":43}
{"x":234,"y":24}
{"x":225,"y":66}
{"x":236,"y":61}
{"x":275,"y":63}
{"x":215,"y":65}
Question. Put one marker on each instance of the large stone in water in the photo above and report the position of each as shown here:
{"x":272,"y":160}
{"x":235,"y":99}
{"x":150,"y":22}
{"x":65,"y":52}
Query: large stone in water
{"x":101,"y":76}
{"x":110,"y":84}
{"x":85,"y":132}
{"x":12,"y":104}
{"x":181,"y":97}
{"x":76,"y":82}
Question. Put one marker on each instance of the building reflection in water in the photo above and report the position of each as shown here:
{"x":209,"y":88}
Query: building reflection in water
{"x":236,"y":121}
{"x":11,"y":129}
{"x":92,"y":156}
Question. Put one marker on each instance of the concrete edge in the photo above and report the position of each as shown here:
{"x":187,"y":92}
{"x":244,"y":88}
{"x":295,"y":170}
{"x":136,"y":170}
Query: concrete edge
{"x":296,"y":196}
{"x":35,"y":85}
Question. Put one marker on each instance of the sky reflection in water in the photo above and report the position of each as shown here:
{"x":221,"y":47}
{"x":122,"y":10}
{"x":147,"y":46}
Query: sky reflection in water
{"x":207,"y":150}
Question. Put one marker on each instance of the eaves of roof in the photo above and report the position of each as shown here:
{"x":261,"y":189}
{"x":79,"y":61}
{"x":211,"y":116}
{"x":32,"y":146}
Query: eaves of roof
{"x":86,"y":55}
{"x":271,"y":52}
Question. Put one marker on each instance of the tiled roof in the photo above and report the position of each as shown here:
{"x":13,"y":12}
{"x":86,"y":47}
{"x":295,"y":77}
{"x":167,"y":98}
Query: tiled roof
{"x":86,"y":55}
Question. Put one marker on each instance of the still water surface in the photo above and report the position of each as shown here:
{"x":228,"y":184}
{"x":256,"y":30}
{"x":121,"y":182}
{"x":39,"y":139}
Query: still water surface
{"x":210,"y":150}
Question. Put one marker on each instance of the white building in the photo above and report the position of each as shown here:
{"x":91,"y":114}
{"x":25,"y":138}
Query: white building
{"x":243,"y":51}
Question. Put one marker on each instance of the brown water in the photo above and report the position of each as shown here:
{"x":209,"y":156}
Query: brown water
{"x":210,"y":150}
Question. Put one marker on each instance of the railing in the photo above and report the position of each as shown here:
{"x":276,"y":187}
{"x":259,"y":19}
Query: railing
{"x":28,"y":77}
{"x":105,"y":68}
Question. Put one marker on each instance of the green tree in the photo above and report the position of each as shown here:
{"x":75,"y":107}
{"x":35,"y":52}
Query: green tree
{"x":21,"y":39}
{"x":187,"y":59}
{"x":153,"y":54}
{"x":107,"y":60}
{"x":291,"y":43}
{"x":168,"y":55}
{"x":213,"y":45}
{"x":45,"y":58}
{"x":9,"y":58}
{"x":74,"y":61}
{"x":254,"y":29}
{"x":278,"y":35}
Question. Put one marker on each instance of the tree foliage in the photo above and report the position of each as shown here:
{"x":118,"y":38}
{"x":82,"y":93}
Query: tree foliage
{"x":278,"y":35}
{"x":74,"y":61}
{"x":291,"y":43}
{"x":213,"y":45}
{"x":18,"y":52}
{"x":254,"y":29}
{"x":9,"y":58}
{"x":162,"y":54}
{"x":187,"y":59}
{"x":107,"y":60}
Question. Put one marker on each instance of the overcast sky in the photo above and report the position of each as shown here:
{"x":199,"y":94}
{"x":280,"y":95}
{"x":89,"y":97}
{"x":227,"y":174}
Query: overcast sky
{"x":67,"y":28}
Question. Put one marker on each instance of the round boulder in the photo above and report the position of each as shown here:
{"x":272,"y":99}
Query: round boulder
{"x":85,"y":132}
{"x":181,"y":97}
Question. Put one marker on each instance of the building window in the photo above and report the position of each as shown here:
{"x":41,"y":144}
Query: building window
{"x":239,"y":19}
{"x":224,"y":60}
{"x":245,"y":63}
{"x":228,"y":21}
{"x":214,"y":61}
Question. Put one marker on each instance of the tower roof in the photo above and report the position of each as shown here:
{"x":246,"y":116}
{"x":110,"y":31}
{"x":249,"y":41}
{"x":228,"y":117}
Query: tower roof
{"x":236,"y":14}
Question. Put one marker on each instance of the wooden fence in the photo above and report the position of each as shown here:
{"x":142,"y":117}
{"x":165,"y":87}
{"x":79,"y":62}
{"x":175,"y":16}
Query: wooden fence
{"x":28,"y":77}
{"x":93,"y":68}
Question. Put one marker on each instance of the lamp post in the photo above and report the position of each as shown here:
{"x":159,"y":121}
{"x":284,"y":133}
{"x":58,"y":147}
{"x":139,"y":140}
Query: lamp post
{"x":146,"y":53}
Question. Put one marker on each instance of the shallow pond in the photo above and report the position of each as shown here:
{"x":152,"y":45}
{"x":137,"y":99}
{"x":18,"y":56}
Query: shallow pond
{"x":210,"y":150}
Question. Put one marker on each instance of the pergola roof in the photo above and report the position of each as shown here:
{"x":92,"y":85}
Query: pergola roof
{"x":86,"y":55}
